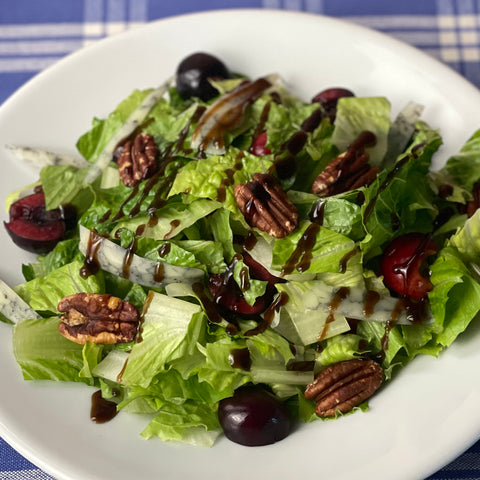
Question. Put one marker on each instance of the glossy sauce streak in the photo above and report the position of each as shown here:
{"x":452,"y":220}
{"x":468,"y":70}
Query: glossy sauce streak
{"x":284,"y":163}
{"x":342,"y":265}
{"x":159,"y":272}
{"x":227,"y":112}
{"x":269,"y":314}
{"x":302,"y":255}
{"x":240,"y":358}
{"x":396,"y":312}
{"x":312,"y":122}
{"x":91,"y":264}
{"x":146,"y":306}
{"x":335,"y":302}
{"x":173,"y":225}
{"x":391,"y":175}
{"x":244,"y":279}
{"x":228,"y":180}
{"x":105,"y":216}
{"x":250,"y":241}
{"x":370,"y":301}
{"x":120,"y":212}
{"x":102,"y":410}
{"x":261,"y":124}
{"x":208,"y":304}
{"x":120,"y":374}
{"x":317,"y":212}
{"x":128,"y":258}
{"x":164,"y":250}
{"x":134,"y":133}
{"x":403,"y":269}
{"x":301,"y":366}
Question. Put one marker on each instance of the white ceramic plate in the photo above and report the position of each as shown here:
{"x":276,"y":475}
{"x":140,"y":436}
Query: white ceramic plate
{"x":420,"y":422}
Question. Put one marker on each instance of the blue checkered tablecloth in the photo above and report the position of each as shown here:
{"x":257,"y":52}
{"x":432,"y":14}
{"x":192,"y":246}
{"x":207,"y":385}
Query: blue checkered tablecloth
{"x":37,"y":33}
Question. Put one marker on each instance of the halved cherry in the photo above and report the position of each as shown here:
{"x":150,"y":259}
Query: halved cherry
{"x":34,"y":228}
{"x":258,"y":146}
{"x":258,"y":271}
{"x":228,"y":296}
{"x":402,"y":264}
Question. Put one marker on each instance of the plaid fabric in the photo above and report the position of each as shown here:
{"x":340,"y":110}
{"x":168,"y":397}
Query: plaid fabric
{"x":34,"y":35}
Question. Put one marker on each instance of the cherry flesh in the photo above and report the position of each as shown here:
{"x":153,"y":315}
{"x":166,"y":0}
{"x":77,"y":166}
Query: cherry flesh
{"x":229,"y":298}
{"x":228,"y":295}
{"x":258,"y":146}
{"x":36,"y":229}
{"x":401,"y":265}
{"x":254,"y":417}
{"x":193,"y":73}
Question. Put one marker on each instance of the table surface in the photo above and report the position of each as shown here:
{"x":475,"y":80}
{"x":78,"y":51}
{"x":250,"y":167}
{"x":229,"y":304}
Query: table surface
{"x":36,"y":34}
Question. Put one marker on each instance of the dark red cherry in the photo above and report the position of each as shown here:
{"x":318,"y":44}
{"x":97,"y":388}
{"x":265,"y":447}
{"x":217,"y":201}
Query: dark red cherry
{"x":34,"y":228}
{"x":329,"y":98}
{"x":228,"y":296}
{"x":193,"y":73}
{"x":254,"y":417}
{"x":258,"y":271}
{"x":402,"y":263}
{"x":258,"y":146}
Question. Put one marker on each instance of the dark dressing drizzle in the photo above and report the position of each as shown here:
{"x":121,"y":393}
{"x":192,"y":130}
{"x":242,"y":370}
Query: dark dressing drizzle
{"x":227,"y":113}
{"x":342,"y":265}
{"x":302,"y":255}
{"x":261,"y":124}
{"x":335,"y":302}
{"x":369,"y":302}
{"x":127,"y":261}
{"x":91,"y":265}
{"x":210,"y":308}
{"x":162,"y":184}
{"x":102,"y":410}
{"x":301,"y":366}
{"x":228,"y":180}
{"x":388,"y":179}
{"x":269,"y":314}
{"x":240,"y":358}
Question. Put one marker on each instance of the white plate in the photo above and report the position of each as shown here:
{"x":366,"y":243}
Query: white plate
{"x":420,"y":422}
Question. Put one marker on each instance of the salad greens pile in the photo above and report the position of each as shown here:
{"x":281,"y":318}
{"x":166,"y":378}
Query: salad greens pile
{"x":180,"y":369}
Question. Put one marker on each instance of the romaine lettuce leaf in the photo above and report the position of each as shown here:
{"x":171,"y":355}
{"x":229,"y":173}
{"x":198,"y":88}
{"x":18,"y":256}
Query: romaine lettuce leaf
{"x":358,"y":114}
{"x":44,"y":293}
{"x":44,"y":354}
{"x":165,"y":327}
{"x":455,"y":274}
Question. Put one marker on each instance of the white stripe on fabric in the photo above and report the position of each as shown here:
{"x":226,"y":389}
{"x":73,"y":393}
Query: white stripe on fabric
{"x":42,"y":30}
{"x":417,"y":38}
{"x":115,"y":21}
{"x":27,"y":64}
{"x":384,"y":22}
{"x":39,"y":47}
{"x":92,"y":20}
{"x":25,"y":475}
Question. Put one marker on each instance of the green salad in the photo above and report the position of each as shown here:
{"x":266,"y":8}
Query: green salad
{"x":224,"y":257}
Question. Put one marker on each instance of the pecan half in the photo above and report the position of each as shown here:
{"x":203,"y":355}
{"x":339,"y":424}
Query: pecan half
{"x":344,"y":385}
{"x":97,"y":318}
{"x":350,"y":170}
{"x":266,"y":206}
{"x":138,"y":159}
